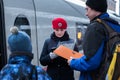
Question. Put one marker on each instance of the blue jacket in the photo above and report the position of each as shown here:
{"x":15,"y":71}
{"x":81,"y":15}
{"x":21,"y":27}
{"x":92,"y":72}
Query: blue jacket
{"x":20,"y":68}
{"x":93,"y":46}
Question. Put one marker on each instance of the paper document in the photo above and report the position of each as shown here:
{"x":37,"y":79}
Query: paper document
{"x":66,"y":53}
{"x":69,"y":44}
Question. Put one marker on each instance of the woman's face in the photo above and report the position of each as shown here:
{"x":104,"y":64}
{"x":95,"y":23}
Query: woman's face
{"x":59,"y":32}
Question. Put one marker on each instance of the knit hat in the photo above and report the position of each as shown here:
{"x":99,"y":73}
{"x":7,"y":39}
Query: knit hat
{"x":98,"y":5}
{"x":59,"y":23}
{"x":19,"y":41}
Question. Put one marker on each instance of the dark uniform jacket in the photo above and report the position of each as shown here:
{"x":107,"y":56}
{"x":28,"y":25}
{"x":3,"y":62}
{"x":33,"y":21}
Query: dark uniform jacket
{"x":57,"y":68}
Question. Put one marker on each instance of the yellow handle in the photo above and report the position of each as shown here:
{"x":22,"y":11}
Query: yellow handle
{"x":112,"y":65}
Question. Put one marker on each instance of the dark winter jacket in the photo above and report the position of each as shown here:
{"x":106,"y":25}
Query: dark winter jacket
{"x":57,"y":68}
{"x":93,"y":46}
{"x":20,"y":68}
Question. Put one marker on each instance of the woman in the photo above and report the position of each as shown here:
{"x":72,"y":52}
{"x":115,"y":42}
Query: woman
{"x":57,"y":67}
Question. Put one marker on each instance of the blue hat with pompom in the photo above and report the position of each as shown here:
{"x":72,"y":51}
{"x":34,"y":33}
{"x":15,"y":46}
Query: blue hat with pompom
{"x":19,"y":41}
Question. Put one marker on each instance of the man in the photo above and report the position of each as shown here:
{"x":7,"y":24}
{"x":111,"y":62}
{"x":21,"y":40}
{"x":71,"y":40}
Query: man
{"x":94,"y":42}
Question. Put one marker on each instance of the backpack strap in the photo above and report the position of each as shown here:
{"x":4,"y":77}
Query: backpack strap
{"x":111,"y":33}
{"x":33,"y":72}
{"x":110,"y":30}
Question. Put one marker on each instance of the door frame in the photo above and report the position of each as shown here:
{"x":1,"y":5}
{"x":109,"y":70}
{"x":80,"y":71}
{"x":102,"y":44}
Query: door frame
{"x":3,"y":50}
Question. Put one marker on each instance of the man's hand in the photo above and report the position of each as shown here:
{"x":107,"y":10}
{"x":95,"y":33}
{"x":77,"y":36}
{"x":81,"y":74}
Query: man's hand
{"x":69,"y":60}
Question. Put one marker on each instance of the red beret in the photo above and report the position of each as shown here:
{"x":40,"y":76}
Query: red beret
{"x":59,"y":23}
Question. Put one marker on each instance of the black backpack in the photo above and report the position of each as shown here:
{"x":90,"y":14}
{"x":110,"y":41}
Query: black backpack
{"x":110,"y":66}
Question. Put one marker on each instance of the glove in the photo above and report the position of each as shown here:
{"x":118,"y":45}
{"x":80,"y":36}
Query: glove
{"x":53,"y":55}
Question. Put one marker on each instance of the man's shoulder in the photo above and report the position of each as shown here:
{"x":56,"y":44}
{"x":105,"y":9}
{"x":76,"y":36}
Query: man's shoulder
{"x":96,"y":24}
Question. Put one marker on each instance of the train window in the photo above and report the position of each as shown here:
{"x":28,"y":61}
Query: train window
{"x":25,"y":28}
{"x":23,"y":24}
{"x":80,"y":31}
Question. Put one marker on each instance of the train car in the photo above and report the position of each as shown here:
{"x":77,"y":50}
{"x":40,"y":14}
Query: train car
{"x":34,"y":17}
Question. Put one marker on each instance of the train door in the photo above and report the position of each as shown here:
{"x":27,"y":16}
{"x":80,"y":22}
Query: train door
{"x":3,"y":54}
{"x":80,"y":31}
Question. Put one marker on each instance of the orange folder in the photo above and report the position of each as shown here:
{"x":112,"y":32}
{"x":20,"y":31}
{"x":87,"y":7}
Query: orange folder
{"x":66,"y":52}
